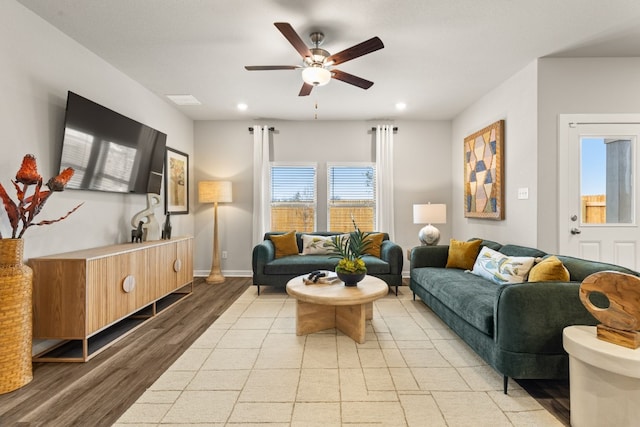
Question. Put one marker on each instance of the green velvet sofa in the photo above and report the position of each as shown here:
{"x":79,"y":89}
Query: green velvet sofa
{"x":267,"y":270}
{"x":515,"y":328}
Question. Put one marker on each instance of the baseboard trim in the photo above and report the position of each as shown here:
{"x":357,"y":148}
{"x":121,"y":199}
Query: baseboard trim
{"x":226,"y":273}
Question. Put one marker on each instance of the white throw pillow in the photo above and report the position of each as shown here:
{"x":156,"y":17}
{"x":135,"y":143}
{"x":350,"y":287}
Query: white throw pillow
{"x":500,"y":268}
{"x":316,"y":245}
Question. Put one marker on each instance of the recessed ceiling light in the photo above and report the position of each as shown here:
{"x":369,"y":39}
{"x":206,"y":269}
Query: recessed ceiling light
{"x":184,"y":99}
{"x":242,"y":106}
{"x":401,"y":106}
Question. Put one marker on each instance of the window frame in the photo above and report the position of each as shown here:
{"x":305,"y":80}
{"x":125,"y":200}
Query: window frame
{"x":374,"y":201}
{"x":314,"y":204}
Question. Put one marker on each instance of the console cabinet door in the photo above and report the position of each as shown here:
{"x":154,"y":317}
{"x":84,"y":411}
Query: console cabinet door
{"x":171,"y":266}
{"x":109,"y":298}
{"x":161,"y":260}
{"x":184,"y":274}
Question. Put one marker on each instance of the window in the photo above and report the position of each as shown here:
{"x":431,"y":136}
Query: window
{"x":606,"y":180}
{"x":351,"y":189}
{"x":293,"y":197}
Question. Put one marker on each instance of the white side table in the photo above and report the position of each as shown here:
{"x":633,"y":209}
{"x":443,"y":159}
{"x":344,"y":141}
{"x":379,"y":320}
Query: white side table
{"x":604,"y":380}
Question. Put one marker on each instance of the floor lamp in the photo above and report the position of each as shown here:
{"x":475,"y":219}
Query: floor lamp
{"x":215,"y":192}
{"x":429,"y":214}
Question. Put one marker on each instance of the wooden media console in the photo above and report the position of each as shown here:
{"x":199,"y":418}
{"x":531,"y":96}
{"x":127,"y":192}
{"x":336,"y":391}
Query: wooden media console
{"x":90,"y":298}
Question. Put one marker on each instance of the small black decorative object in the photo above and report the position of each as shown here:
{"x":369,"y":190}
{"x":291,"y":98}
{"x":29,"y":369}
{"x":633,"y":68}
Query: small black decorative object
{"x":166,"y":228}
{"x":316,"y":275}
{"x":136,"y":235}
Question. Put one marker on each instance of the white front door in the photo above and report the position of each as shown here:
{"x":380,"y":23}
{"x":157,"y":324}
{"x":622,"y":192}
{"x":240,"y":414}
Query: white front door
{"x":599,"y":188}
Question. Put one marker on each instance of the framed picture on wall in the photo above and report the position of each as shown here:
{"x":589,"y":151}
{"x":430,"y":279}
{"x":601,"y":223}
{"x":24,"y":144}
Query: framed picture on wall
{"x":483,"y":173}
{"x":176,"y":182}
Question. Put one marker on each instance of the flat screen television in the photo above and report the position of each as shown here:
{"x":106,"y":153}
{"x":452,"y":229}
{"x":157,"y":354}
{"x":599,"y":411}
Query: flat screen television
{"x":110,"y":152}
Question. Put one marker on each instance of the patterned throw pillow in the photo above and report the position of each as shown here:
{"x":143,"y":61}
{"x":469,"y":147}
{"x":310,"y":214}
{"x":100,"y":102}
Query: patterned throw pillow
{"x":550,"y":269}
{"x":462,"y":254}
{"x":500,"y":268}
{"x":285,"y":244}
{"x":316,"y":245}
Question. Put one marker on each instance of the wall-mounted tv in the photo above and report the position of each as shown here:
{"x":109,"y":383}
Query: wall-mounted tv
{"x":110,"y":152}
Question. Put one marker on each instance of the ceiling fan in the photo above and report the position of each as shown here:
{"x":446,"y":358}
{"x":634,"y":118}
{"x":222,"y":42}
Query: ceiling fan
{"x":317,"y":69}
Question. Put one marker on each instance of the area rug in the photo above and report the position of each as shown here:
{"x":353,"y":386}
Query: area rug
{"x":250,"y":368}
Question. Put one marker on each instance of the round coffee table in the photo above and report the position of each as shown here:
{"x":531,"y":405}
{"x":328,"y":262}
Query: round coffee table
{"x":326,"y":306}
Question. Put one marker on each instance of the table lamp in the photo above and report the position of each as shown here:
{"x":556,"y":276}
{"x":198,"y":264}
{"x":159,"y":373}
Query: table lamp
{"x":215,"y":192}
{"x":429,"y":214}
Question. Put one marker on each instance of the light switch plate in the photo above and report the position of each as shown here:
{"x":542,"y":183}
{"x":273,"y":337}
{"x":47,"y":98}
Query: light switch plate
{"x":523,"y":193}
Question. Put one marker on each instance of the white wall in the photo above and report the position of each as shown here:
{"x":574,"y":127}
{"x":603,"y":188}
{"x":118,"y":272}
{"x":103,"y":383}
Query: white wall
{"x":572,"y":86}
{"x":515,"y":101}
{"x":39,"y":66}
{"x":224,"y":150}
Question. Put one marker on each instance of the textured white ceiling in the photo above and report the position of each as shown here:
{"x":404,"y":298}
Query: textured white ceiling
{"x":439,"y":55}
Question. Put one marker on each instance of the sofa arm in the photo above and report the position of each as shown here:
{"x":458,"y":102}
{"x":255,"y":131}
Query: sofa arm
{"x":530,"y":317}
{"x":392,"y":253}
{"x":263,"y":253}
{"x":429,"y":256}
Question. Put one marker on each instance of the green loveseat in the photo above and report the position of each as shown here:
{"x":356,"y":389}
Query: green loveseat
{"x":515,"y":328}
{"x":272,"y":271}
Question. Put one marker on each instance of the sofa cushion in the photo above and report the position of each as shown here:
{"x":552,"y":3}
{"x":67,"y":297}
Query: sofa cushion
{"x":550,"y":269}
{"x":303,"y":264}
{"x":500,"y":268}
{"x":316,"y":245}
{"x":471,"y":297}
{"x":579,"y":269}
{"x":300,"y":264}
{"x":285,"y":244}
{"x":462,"y":254}
{"x":515,"y":250}
{"x":488,"y":243}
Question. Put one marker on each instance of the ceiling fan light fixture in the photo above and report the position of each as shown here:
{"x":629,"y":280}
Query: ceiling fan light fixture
{"x":316,"y":76}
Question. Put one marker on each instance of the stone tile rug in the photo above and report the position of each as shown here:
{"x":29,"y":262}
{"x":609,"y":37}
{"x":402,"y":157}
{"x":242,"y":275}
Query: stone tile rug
{"x":250,"y":369}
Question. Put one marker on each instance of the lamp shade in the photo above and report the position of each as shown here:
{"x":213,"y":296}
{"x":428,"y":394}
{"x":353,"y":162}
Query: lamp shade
{"x":214,"y":191}
{"x":316,"y":76}
{"x":430,"y":214}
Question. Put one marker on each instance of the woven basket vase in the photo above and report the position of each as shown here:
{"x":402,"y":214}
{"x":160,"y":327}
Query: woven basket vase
{"x":15,"y":316}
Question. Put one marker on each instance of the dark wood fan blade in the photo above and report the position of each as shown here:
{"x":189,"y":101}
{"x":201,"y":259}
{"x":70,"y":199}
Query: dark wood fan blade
{"x":290,"y":34}
{"x":271,"y":67}
{"x":351,"y":79}
{"x":305,"y":90}
{"x":356,"y":51}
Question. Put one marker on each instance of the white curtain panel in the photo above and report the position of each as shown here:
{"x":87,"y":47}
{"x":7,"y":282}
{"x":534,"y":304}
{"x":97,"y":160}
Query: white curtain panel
{"x":384,"y":175}
{"x":261,"y":188}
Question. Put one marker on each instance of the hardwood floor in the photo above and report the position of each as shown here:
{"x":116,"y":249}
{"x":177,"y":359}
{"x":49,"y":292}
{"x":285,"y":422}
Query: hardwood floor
{"x":96,"y":393}
{"x":552,"y":395}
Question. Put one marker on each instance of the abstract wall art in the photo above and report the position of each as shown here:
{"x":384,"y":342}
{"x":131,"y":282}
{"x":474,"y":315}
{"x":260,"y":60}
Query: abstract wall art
{"x":483,"y":173}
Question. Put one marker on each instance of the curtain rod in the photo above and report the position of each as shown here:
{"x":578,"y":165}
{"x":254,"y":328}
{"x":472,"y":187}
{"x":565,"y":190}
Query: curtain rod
{"x":270,"y":129}
{"x":395,"y":128}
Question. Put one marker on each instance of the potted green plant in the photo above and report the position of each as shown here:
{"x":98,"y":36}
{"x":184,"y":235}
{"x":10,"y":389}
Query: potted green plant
{"x":349,"y":249}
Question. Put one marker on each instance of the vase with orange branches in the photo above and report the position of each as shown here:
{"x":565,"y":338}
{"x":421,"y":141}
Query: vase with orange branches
{"x":15,"y":276}
{"x":31,"y":201}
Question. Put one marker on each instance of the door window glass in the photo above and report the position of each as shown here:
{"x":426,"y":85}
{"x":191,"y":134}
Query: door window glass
{"x":606,"y":180}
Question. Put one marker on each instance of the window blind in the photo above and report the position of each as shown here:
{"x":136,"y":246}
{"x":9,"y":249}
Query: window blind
{"x":351,"y":196}
{"x":293,"y":197}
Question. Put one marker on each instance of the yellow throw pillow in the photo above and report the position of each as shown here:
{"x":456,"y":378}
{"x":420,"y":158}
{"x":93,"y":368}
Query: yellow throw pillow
{"x":463,"y":254}
{"x":549,"y":269}
{"x":374,"y":246}
{"x":285,"y":244}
